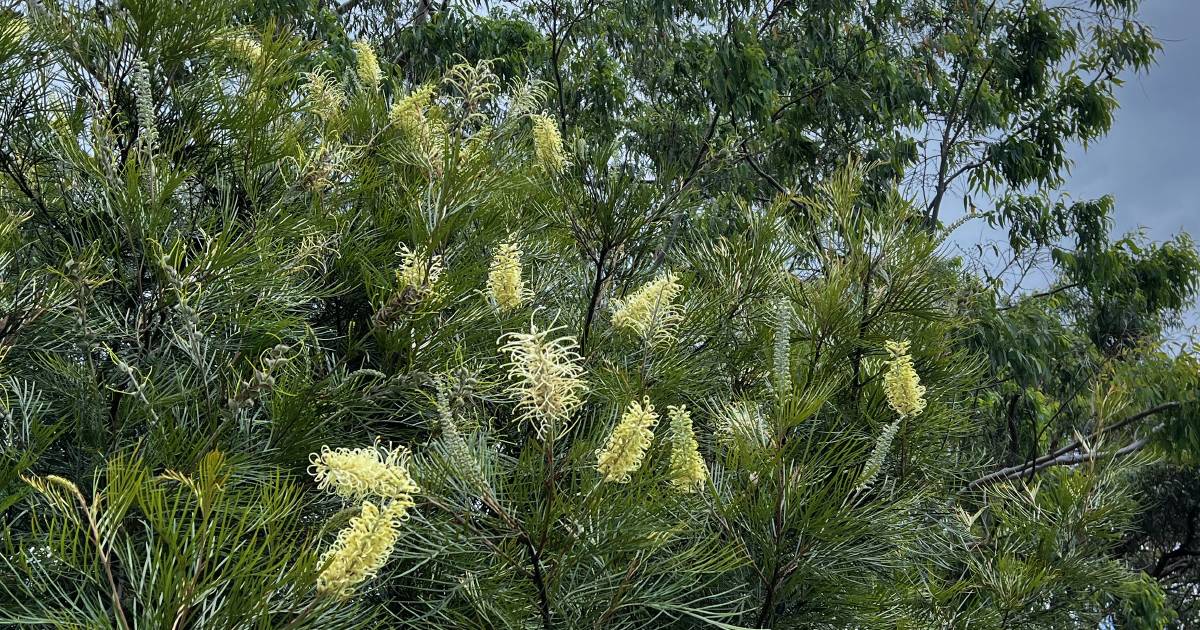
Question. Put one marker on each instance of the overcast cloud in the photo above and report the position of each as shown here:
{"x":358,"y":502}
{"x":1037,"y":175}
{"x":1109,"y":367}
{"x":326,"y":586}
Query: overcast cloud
{"x":1148,"y":161}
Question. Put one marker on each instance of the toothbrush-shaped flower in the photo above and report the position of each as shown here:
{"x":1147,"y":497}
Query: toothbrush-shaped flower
{"x":626,"y":447}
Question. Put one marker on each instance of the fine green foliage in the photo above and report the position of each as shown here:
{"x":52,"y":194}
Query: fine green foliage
{"x":311,"y":317}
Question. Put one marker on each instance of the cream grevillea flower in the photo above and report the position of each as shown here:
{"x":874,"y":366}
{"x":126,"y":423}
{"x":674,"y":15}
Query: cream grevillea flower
{"x":355,"y":474}
{"x":504,"y":277}
{"x":905,"y":394}
{"x":367,"y":64}
{"x":651,"y":312}
{"x":243,"y":46}
{"x":546,"y":376}
{"x":688,"y":472}
{"x":361,"y":549}
{"x":323,"y":96}
{"x":424,"y":134}
{"x":548,"y":145}
{"x":626,"y":447}
{"x":418,"y":271}
{"x":408,"y":113}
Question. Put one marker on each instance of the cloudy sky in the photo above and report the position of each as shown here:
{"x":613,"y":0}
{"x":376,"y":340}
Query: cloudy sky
{"x":1149,"y":162}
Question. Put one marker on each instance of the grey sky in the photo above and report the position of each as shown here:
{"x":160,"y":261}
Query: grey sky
{"x":1148,"y":161}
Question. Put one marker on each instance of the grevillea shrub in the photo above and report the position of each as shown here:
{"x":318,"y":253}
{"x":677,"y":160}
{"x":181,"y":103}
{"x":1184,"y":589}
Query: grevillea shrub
{"x":296,"y":335}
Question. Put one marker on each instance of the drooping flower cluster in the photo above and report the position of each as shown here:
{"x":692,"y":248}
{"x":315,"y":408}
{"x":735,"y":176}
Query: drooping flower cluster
{"x":243,"y":46}
{"x":905,"y":394}
{"x":365,"y":545}
{"x":504,"y":277}
{"x":323,"y":96}
{"x":883,"y":445}
{"x":367,"y":64}
{"x":626,"y":447}
{"x":417,"y":279}
{"x":651,"y":312}
{"x":546,"y":376}
{"x":421,"y":127}
{"x":408,"y":113}
{"x":360,"y":473}
{"x":548,"y":145}
{"x":687,"y":471}
{"x":419,"y":272}
{"x":361,"y":549}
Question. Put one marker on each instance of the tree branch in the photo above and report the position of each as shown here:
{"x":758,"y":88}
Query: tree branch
{"x":1060,"y":456}
{"x":1043,"y":294}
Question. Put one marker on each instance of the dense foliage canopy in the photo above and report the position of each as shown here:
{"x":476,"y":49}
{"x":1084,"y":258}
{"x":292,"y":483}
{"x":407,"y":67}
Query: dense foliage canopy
{"x":582,"y":314}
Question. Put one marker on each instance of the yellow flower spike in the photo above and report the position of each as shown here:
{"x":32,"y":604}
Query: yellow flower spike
{"x":418,"y":271}
{"x":355,"y":474}
{"x":408,"y":113}
{"x":244,"y":47}
{"x":688,"y":472}
{"x":323,"y":96}
{"x":504,"y":278}
{"x":626,"y":447}
{"x":548,"y":145}
{"x":651,"y":312}
{"x":547,"y":376}
{"x":905,"y":394}
{"x":368,"y":64}
{"x":361,"y":549}
{"x":424,"y":135}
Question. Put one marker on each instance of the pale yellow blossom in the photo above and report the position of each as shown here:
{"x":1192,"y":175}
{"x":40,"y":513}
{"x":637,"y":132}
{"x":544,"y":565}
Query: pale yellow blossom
{"x":905,"y":394}
{"x":368,"y":64}
{"x":419,"y":271}
{"x":622,"y":455}
{"x":651,"y":312}
{"x":548,"y":145}
{"x":408,"y":113}
{"x":323,"y":96}
{"x":504,"y":277}
{"x":359,"y":473}
{"x":244,"y":47}
{"x":547,"y":377}
{"x":361,"y":549}
{"x":687,"y":471}
{"x":418,"y":124}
